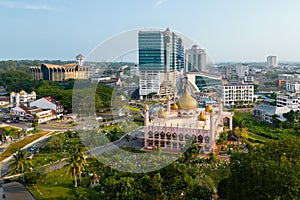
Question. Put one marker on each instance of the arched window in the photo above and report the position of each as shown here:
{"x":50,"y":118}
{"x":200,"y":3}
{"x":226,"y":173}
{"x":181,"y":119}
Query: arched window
{"x":200,"y":139}
{"x":194,"y":137}
{"x":169,"y":136}
{"x":174,"y":145}
{"x":150,"y":134}
{"x":162,"y":135}
{"x":168,"y":144}
{"x":181,"y":145}
{"x":187,"y":137}
{"x":156,"y":135}
{"x":150,"y":143}
{"x":180,"y":137}
{"x":174,"y":136}
{"x":162,"y":143}
{"x":207,"y":147}
{"x":206,"y":138}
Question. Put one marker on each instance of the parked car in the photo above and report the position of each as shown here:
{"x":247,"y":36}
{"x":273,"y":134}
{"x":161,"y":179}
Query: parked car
{"x":98,"y":118}
{"x":28,"y":129}
{"x":33,"y":148}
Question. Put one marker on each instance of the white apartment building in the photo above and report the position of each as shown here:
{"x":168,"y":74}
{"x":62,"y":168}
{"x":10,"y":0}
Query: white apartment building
{"x":195,"y":59}
{"x":134,"y":71}
{"x":286,"y":77}
{"x":149,"y":82}
{"x":233,"y":93}
{"x":22,"y":98}
{"x":272,"y":61}
{"x":293,"y":87}
{"x":289,"y":100}
{"x":242,"y":70}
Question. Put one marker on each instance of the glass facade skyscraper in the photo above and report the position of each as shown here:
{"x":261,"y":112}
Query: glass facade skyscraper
{"x":153,"y":50}
{"x":161,"y":54}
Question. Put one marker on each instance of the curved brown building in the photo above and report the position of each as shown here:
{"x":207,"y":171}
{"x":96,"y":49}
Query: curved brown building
{"x":59,"y":72}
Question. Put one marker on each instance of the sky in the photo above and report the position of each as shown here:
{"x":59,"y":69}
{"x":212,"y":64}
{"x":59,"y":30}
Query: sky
{"x":230,"y":30}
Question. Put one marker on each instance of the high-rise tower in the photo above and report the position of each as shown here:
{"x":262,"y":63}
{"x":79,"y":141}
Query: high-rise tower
{"x":158,"y":61}
{"x":272,"y":61}
{"x":195,"y":59}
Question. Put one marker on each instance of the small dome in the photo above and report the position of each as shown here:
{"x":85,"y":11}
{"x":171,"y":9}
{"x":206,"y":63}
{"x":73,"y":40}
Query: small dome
{"x":12,"y":93}
{"x":174,"y":106}
{"x":187,"y":102}
{"x":23,"y":92}
{"x":95,"y":177}
{"x":208,"y":108}
{"x":169,"y":98}
{"x":161,"y":113}
{"x":79,"y":56}
{"x":195,"y":46}
{"x":202,"y":117}
{"x":146,"y":108}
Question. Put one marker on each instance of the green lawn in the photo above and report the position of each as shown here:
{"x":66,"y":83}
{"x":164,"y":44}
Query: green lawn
{"x":59,"y":185}
{"x":45,"y":155}
{"x":20,"y":144}
{"x":134,"y":109}
{"x":56,"y":185}
{"x":260,"y":132}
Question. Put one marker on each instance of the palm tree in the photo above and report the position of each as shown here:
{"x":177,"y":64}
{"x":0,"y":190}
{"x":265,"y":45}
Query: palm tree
{"x":76,"y":163}
{"x":21,"y":163}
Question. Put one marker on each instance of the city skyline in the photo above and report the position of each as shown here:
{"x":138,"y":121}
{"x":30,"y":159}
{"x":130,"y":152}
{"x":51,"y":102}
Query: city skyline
{"x":237,"y":31}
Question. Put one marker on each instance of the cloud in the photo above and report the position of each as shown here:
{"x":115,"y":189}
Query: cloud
{"x":159,"y":2}
{"x":22,"y":5}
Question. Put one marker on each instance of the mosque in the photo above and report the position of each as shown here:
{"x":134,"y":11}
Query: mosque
{"x":173,"y":127}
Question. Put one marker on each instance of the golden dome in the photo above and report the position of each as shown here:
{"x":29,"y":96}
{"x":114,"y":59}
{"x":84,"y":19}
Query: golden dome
{"x":146,"y":108}
{"x":12,"y":93}
{"x":202,"y":117}
{"x":169,"y":98}
{"x":174,"y":106}
{"x":208,"y":108}
{"x":23,"y":92}
{"x":161,"y":113}
{"x":187,"y":102}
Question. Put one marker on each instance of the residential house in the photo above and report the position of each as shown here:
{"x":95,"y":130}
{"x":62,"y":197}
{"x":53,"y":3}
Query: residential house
{"x":48,"y":103}
{"x":22,"y":98}
{"x":266,"y":112}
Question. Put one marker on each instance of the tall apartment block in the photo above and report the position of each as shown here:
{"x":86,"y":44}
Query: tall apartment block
{"x":195,"y":59}
{"x":272,"y":61}
{"x":234,"y":93}
{"x":160,"y":57}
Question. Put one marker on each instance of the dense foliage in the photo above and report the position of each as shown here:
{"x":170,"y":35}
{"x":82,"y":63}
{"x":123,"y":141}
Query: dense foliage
{"x":268,"y":172}
{"x":16,"y":80}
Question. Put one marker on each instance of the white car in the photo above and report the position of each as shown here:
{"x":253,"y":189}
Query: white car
{"x":98,"y":118}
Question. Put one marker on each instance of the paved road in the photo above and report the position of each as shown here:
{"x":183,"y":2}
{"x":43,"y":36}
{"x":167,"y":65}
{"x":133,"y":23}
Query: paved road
{"x":22,"y":125}
{"x":37,"y":144}
{"x":135,"y":140}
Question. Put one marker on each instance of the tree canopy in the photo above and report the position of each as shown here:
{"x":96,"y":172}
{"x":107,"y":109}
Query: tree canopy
{"x":268,"y":172}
